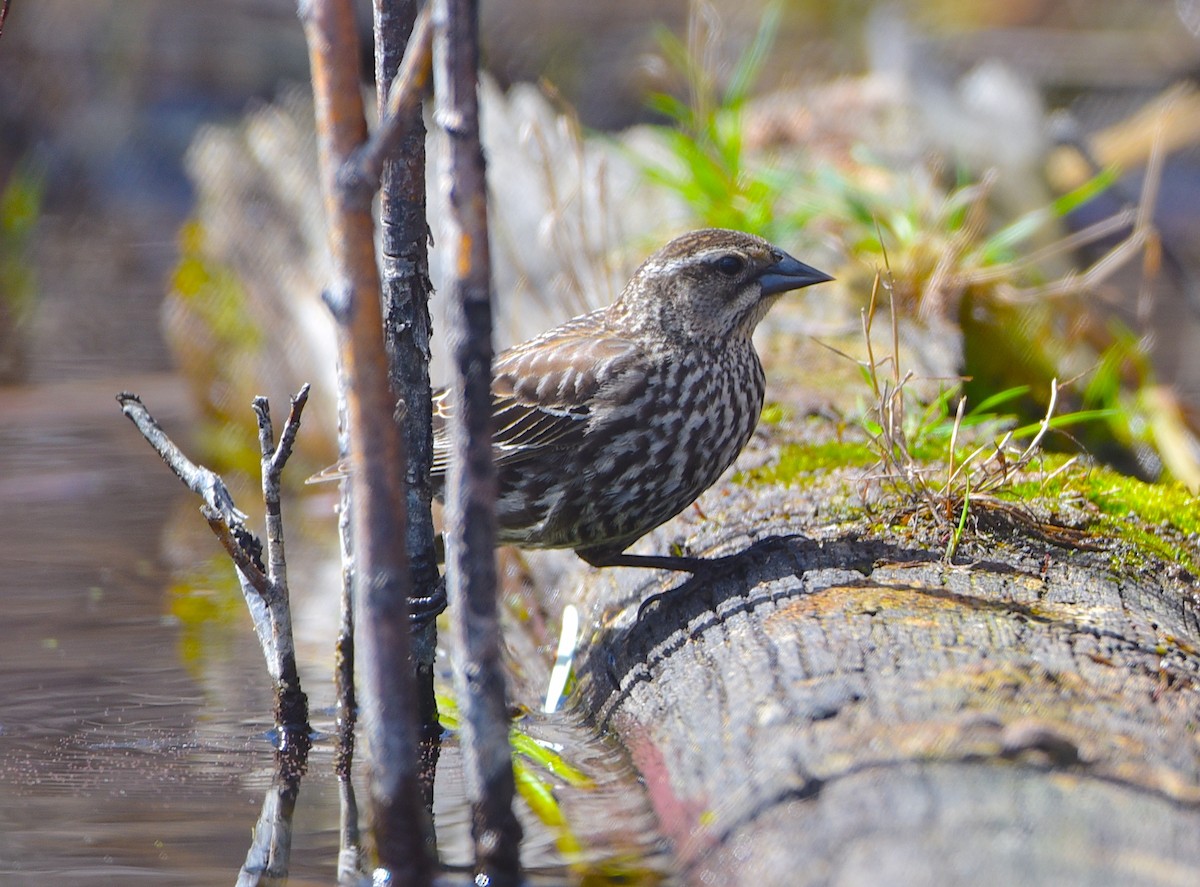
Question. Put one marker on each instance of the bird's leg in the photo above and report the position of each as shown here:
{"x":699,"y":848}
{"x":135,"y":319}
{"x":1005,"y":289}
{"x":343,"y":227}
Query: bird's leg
{"x":606,"y":557}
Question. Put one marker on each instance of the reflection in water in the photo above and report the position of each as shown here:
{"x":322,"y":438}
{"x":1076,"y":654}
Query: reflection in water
{"x":135,"y":711}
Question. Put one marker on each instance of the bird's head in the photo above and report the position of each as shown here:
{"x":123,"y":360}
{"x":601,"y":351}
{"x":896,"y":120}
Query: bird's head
{"x":710,"y":284}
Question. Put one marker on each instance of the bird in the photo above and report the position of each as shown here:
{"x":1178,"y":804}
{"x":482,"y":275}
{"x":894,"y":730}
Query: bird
{"x":610,"y":424}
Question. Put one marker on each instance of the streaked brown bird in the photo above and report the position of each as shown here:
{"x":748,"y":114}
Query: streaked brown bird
{"x":609,"y":425}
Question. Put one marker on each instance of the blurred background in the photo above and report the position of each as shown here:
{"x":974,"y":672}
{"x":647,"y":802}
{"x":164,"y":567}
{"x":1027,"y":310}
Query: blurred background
{"x":1025,"y":172}
{"x":156,"y":161}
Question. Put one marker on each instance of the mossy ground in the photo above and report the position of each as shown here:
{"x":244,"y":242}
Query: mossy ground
{"x":1081,"y":504}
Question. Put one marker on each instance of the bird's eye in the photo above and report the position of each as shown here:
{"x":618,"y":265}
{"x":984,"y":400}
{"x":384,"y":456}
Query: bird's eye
{"x":731,"y":265}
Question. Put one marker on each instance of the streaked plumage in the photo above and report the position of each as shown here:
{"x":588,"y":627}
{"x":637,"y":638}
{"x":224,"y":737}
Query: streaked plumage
{"x":612,"y":423}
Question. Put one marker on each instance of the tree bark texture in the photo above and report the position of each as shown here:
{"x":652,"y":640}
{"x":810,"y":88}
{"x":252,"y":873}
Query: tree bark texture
{"x":403,"y":834}
{"x":471,"y":480}
{"x":849,"y":710}
{"x":406,"y":291}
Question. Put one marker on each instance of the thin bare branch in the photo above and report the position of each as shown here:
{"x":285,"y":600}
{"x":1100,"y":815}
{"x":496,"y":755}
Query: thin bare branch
{"x":361,"y":174}
{"x":276,"y":562}
{"x":265,"y":592}
{"x":238,"y":554}
{"x":227,"y":521}
{"x":471,"y":482}
{"x":402,"y":828}
{"x":291,"y":428}
{"x":1069,"y":244}
{"x":404,"y":267}
{"x":200,"y":480}
{"x":1142,"y":239}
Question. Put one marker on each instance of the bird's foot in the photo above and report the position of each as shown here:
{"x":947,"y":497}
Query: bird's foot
{"x":424,"y":608}
{"x":707,"y":571}
{"x":710,"y":570}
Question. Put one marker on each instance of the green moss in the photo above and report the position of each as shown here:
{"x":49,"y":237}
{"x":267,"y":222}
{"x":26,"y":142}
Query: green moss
{"x":1144,"y":545}
{"x":797,"y":460}
{"x":1169,"y":504}
{"x":1154,"y":520}
{"x":1144,"y":515}
{"x":1158,"y":504}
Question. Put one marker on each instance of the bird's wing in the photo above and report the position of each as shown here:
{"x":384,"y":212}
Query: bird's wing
{"x":543,"y":391}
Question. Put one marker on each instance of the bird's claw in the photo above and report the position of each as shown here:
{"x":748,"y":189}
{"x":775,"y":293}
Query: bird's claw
{"x":423,"y":609}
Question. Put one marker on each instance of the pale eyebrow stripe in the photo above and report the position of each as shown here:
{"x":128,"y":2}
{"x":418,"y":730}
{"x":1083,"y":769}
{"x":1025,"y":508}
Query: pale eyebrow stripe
{"x":676,"y":262}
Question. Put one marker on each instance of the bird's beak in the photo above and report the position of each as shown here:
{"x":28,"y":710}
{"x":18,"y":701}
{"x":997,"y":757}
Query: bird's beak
{"x":789,"y":274}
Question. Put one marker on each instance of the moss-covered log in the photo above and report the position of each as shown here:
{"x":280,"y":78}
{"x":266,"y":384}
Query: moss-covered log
{"x":839,"y":706}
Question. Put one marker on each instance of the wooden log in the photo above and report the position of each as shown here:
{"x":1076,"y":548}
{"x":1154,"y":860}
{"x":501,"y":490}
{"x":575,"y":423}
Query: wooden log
{"x":834,"y":707}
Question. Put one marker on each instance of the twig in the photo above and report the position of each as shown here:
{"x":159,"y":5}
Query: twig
{"x":404,"y":266}
{"x":1072,"y":242}
{"x":350,"y":853}
{"x":273,"y":459}
{"x":361,"y":173}
{"x":868,"y":319}
{"x":1143,"y":237}
{"x":402,"y":828}
{"x":227,"y":521}
{"x":471,"y":484}
{"x":292,"y":705}
{"x":265,"y":592}
{"x":204,"y":483}
{"x":268,"y":858}
{"x":1044,"y":426}
{"x":247,"y":566}
{"x":958,"y":417}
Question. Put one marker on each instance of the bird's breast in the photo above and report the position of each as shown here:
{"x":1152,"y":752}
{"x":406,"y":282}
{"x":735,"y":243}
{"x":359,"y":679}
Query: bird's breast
{"x":656,"y":438}
{"x":682,"y":423}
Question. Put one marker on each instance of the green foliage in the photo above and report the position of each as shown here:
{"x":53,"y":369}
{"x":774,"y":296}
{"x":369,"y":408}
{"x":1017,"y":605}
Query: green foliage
{"x":711,"y":170}
{"x":214,"y":293}
{"x":536,"y":768}
{"x":936,"y":241}
{"x":945,"y":253}
{"x":929,"y":429}
{"x":1122,"y":371}
{"x":934,"y":459}
{"x":214,"y":339}
{"x":20,"y":210}
{"x":1001,"y":247}
{"x":534,"y":787}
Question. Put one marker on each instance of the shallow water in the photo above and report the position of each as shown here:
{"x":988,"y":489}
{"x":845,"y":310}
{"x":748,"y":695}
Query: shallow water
{"x":134,"y":707}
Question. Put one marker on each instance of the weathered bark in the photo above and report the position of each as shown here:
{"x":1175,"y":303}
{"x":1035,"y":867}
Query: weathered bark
{"x":403,"y":833}
{"x":406,"y":324}
{"x":264,"y":586}
{"x":853,"y":711}
{"x":471,"y":477}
